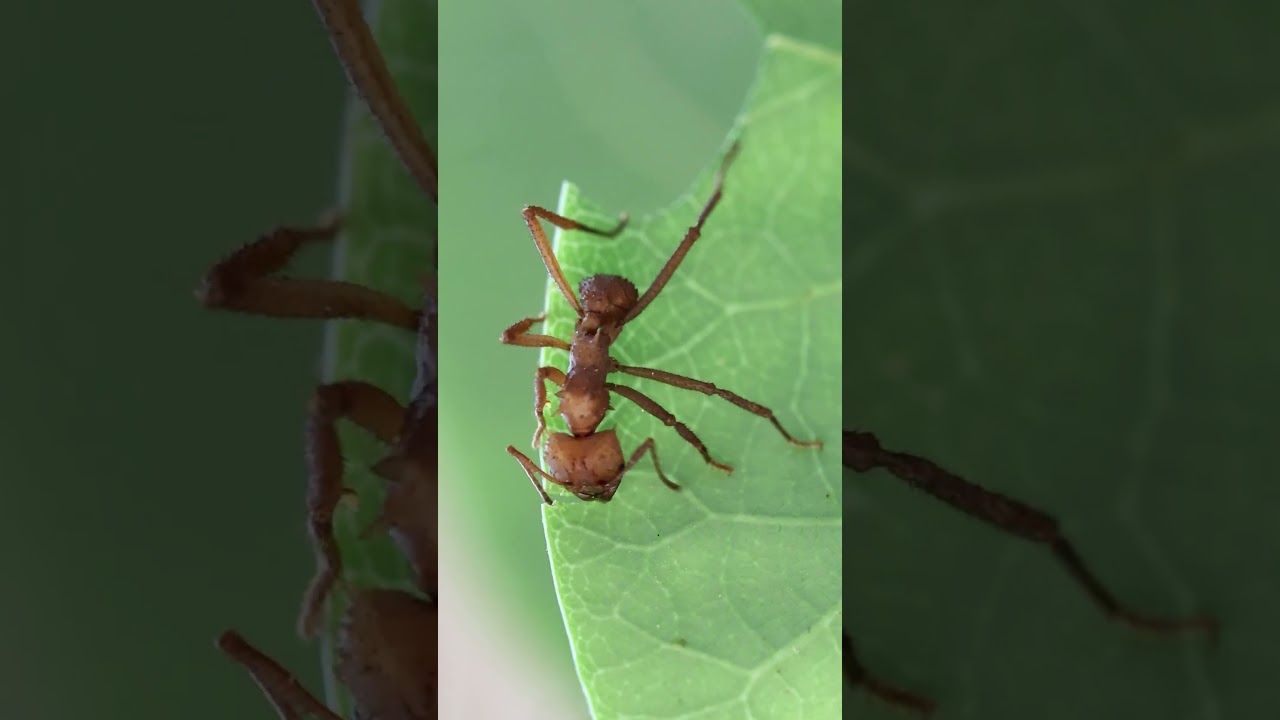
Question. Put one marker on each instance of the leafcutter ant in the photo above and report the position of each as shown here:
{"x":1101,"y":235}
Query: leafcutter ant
{"x":863,"y":453}
{"x":387,"y":640}
{"x":588,"y":461}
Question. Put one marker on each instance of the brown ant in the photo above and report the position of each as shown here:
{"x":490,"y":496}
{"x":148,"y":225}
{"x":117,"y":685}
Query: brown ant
{"x":863,"y":453}
{"x":586,"y":461}
{"x":387,"y":640}
{"x":386,"y":659}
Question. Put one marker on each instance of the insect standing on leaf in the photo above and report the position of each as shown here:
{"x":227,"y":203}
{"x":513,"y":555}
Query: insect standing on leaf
{"x":863,"y":453}
{"x":588,"y":461}
{"x":386,"y":644}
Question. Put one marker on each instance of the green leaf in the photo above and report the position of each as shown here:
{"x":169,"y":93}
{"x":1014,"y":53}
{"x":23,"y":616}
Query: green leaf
{"x":722,"y":600}
{"x":1063,"y":248}
{"x":815,"y":21}
{"x":388,"y":231}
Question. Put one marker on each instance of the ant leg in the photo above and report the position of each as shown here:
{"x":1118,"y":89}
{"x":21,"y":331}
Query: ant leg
{"x":291,"y":700}
{"x":244,"y":282}
{"x":367,"y":72}
{"x":635,"y":458}
{"x":369,"y":407}
{"x":707,"y":388}
{"x":556,"y":376}
{"x":647,"y":404}
{"x":533,"y":471}
{"x":858,"y":676}
{"x":518,"y":334}
{"x":862,"y":452}
{"x":690,"y":238}
{"x":531,"y":213}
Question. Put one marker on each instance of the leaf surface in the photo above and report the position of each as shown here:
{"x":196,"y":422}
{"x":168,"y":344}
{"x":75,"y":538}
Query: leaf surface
{"x":722,"y":600}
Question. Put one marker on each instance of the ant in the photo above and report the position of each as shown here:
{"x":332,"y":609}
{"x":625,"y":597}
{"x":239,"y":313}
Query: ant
{"x":387,"y":640}
{"x":585,"y":460}
{"x":863,"y":453}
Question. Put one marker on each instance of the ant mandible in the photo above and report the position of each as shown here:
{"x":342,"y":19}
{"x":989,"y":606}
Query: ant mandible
{"x":585,"y":460}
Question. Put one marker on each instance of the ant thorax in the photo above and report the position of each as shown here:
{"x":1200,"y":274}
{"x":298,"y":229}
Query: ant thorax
{"x":584,"y":399}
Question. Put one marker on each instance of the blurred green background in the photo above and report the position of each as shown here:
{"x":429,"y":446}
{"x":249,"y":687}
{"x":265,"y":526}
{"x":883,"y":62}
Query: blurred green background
{"x":152,"y":450}
{"x":1061,"y":245}
{"x":629,"y":101}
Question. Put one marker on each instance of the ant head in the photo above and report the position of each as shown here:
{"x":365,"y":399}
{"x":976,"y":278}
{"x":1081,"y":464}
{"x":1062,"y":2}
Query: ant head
{"x":607,"y":298}
{"x":589,"y":467}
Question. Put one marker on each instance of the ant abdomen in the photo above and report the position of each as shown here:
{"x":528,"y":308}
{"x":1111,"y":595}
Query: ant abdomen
{"x":591,"y":465}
